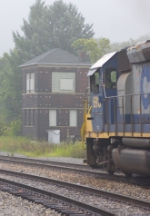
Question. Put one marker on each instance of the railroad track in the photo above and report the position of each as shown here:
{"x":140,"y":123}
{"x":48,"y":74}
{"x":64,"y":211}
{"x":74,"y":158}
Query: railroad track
{"x":61,"y":204}
{"x":46,"y":162}
{"x":83,"y":209}
{"x":77,"y":168}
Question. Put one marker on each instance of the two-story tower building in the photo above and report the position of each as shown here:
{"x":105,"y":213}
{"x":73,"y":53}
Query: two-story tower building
{"x":54,"y":86}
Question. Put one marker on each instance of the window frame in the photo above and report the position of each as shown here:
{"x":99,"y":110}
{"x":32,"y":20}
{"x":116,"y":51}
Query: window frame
{"x":95,"y":81}
{"x":109,"y":84}
{"x":57,"y":77}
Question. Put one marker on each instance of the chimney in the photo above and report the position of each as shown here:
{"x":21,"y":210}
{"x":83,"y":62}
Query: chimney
{"x":83,"y":56}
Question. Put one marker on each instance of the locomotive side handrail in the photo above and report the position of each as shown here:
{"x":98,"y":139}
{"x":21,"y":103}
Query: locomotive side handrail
{"x":126,"y":95}
{"x":86,"y":110}
{"x":122,"y":107}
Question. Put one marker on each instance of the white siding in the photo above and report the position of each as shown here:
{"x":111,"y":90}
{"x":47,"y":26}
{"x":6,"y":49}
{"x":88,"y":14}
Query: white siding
{"x":52,"y":118}
{"x":73,"y":118}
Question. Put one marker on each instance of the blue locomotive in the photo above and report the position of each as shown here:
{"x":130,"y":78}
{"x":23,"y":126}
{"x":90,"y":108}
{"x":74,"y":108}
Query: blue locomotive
{"x":116,"y":124}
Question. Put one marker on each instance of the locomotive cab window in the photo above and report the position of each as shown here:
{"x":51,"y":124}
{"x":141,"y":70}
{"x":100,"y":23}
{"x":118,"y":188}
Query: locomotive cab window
{"x":110,"y":78}
{"x":94,"y":82}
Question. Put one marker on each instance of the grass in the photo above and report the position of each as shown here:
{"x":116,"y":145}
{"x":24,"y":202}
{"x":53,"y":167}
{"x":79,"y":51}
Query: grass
{"x":30,"y":148}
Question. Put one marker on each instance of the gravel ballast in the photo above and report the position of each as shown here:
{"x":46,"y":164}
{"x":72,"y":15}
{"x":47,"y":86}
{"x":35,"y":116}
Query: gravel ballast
{"x":117,"y":187}
{"x":102,"y":184}
{"x":118,"y":208}
{"x":15,"y":206}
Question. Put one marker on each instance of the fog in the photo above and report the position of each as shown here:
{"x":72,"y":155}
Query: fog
{"x":118,"y":20}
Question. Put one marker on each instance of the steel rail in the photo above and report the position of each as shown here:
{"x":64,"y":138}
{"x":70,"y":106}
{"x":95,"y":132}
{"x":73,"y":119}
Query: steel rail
{"x":31,"y":162}
{"x":130,"y":180}
{"x":90,"y":190}
{"x":43,"y":161}
{"x":70,"y":201}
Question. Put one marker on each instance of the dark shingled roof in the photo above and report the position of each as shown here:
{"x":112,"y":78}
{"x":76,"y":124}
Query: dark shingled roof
{"x":57,"y":57}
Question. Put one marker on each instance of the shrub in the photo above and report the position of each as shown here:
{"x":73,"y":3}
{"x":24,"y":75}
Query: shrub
{"x":35,"y":148}
{"x":14,"y":129}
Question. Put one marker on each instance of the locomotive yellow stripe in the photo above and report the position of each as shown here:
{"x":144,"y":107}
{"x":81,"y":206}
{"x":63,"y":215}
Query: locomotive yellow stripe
{"x":90,"y":134}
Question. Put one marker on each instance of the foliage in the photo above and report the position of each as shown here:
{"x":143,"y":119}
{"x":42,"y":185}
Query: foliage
{"x":67,"y":25}
{"x":96,"y":48}
{"x":14,"y":129}
{"x":35,"y":149}
{"x":36,"y":38}
{"x":48,"y":27}
{"x":10,"y":86}
{"x":69,"y":150}
{"x":3,"y":126}
{"x":122,"y":45}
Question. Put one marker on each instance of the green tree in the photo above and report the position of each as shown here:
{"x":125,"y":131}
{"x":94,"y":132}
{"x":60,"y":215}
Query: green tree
{"x":36,"y":33}
{"x":10,"y":86}
{"x":96,"y":48}
{"x":48,"y":27}
{"x":122,"y":45}
{"x":14,"y":128}
{"x":67,"y":25}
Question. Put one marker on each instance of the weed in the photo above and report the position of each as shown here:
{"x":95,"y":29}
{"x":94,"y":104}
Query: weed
{"x":40,"y":149}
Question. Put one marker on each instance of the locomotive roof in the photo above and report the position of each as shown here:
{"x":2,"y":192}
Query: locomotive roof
{"x":100,"y":63}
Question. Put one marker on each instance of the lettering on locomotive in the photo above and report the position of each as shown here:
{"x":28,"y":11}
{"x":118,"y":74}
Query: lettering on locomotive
{"x":96,"y":103}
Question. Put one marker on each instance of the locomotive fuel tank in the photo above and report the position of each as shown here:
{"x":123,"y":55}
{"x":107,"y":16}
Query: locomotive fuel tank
{"x":132,"y":160}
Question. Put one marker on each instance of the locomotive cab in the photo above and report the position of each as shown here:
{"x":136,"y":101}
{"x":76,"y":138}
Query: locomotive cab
{"x":103,"y":84}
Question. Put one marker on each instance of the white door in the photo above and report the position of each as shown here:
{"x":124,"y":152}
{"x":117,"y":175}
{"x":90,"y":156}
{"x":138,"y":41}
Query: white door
{"x":54,"y":136}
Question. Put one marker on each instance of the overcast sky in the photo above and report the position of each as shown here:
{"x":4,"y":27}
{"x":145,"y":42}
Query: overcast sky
{"x":118,"y":20}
